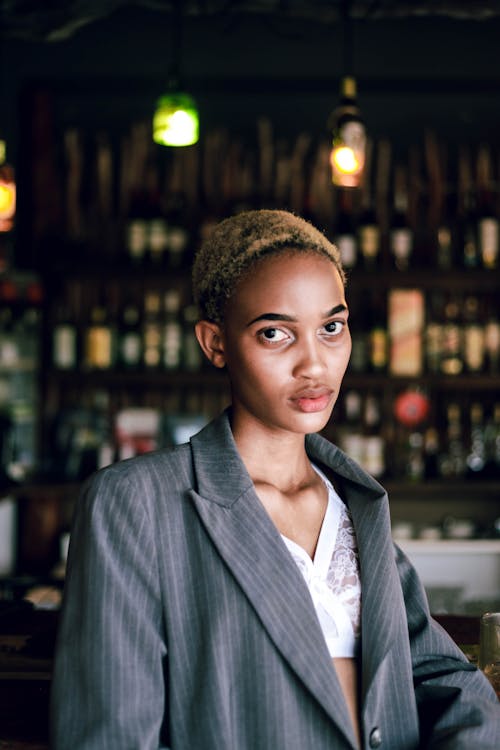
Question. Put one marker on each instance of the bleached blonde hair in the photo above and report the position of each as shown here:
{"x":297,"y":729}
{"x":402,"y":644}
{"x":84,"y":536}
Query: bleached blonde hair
{"x":237,"y":242}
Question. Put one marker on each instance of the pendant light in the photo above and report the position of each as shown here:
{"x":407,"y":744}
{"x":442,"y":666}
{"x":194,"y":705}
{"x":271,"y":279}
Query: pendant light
{"x":176,"y":120}
{"x":347,"y":157}
{"x":7,"y":192}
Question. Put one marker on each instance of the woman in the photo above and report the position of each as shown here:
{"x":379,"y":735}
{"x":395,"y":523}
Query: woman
{"x":242,"y":591}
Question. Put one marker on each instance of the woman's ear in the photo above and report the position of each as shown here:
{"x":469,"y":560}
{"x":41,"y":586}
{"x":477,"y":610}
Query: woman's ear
{"x":211,"y":340}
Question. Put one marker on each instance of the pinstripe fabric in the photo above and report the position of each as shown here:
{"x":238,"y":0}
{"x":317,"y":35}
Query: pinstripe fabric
{"x":186,"y":623}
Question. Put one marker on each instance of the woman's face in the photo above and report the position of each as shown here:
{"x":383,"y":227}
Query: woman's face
{"x":286,"y":343}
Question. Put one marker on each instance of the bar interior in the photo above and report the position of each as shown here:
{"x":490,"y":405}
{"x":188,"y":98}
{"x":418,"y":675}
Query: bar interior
{"x":99,"y":222}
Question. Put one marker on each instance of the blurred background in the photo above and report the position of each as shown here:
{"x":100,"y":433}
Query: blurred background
{"x":99,"y":224}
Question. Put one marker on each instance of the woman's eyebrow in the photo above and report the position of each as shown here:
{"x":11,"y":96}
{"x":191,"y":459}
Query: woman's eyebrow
{"x":293,"y":319}
{"x":273,"y":316}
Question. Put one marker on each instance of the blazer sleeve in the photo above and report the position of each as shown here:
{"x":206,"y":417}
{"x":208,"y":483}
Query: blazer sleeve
{"x":457,"y":706}
{"x":108,"y":688}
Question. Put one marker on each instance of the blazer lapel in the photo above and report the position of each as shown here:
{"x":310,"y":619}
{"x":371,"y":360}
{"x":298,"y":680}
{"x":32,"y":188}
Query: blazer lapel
{"x":251,"y":546}
{"x":381,"y":597}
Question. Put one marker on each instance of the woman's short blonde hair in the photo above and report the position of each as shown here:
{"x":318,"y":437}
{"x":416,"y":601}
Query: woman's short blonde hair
{"x":238,"y":242}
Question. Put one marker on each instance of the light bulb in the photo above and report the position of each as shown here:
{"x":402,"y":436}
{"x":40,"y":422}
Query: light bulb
{"x":175,"y":121}
{"x":347,"y":157}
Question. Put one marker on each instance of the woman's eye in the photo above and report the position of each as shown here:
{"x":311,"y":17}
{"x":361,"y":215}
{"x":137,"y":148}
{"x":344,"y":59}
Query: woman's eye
{"x":335,"y":327}
{"x":273,"y":335}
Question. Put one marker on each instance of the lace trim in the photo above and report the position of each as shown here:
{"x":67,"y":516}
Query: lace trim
{"x":343,"y":571}
{"x":333,"y":576}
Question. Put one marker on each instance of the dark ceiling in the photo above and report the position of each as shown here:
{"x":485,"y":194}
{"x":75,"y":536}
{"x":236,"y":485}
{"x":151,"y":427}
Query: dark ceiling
{"x":55,"y":20}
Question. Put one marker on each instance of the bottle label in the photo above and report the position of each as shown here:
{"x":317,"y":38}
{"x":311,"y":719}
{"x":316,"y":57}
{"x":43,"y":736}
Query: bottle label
{"x":488,"y":242}
{"x":64,"y":353}
{"x":369,"y":238}
{"x":99,"y":348}
{"x":378,"y":348}
{"x":172,"y":338}
{"x":131,"y":349}
{"x":401,"y":243}
{"x":346,"y":244}
{"x":474,"y":348}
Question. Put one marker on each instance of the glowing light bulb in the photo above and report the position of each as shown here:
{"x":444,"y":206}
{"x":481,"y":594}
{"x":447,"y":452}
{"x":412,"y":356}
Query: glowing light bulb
{"x":175,"y":121}
{"x":344,"y":159}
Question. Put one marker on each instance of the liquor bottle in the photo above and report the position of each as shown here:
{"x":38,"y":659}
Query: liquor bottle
{"x":442,"y":208}
{"x":452,"y":462}
{"x":152,"y":333}
{"x":446,"y":234}
{"x":65,"y":352}
{"x":492,"y":443}
{"x":368,"y":225}
{"x":172,"y":331}
{"x":467,"y":218}
{"x":452,"y":351}
{"x":401,"y":233}
{"x":359,"y":327}
{"x":492,"y":336}
{"x":192,"y":356}
{"x":431,"y":452}
{"x":434,"y":333}
{"x":99,"y":340}
{"x":473,"y":336}
{"x":29,"y":331}
{"x":488,"y":224}
{"x":374,"y":443}
{"x":415,"y":458}
{"x":178,"y":235}
{"x":158,"y":242}
{"x":378,"y":335}
{"x":344,"y":232}
{"x":476,"y":457}
{"x":351,"y":437}
{"x":130,"y":337}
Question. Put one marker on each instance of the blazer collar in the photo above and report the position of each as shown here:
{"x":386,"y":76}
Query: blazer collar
{"x":252,"y":547}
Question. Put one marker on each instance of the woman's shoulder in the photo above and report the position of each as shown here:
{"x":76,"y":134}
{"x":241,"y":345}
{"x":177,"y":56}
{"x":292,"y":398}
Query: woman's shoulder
{"x":166,"y":467}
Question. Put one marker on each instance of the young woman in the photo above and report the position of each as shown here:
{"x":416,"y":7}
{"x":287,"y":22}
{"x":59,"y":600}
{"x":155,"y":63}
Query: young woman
{"x":242,"y":591}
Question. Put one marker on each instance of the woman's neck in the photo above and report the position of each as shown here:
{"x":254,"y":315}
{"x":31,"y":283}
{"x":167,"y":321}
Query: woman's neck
{"x":278,"y":458}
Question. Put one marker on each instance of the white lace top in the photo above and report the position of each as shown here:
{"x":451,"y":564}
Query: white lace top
{"x":333,"y":576}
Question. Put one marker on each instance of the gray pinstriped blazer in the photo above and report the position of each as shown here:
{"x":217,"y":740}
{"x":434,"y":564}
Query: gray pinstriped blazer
{"x":187,"y":624}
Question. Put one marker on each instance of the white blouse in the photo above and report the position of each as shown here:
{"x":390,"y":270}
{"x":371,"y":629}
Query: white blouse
{"x":333,"y":576}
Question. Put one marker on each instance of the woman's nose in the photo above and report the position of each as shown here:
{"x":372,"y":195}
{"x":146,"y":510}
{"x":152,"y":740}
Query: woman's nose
{"x":310,"y":361}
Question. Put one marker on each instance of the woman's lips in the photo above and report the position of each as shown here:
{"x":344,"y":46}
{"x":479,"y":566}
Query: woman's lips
{"x":312,"y":401}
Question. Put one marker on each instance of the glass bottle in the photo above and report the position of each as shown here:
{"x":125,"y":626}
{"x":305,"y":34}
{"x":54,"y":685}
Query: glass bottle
{"x":152,"y":333}
{"x":401,"y":233}
{"x":172,"y":331}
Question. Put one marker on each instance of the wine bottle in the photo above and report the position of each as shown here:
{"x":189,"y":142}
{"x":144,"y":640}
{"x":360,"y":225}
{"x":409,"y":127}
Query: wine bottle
{"x":172,"y":331}
{"x":488,"y":224}
{"x":130,"y":338}
{"x":344,"y":233}
{"x":452,"y":353}
{"x":473,"y":336}
{"x":467,"y":218}
{"x":99,"y":340}
{"x":434,"y":333}
{"x":64,"y":339}
{"x":492,"y":443}
{"x":492,"y":335}
{"x":476,"y":457}
{"x":452,"y":461}
{"x":374,"y":443}
{"x":368,"y":226}
{"x":152,"y":333}
{"x":401,"y":233}
{"x":378,"y":335}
